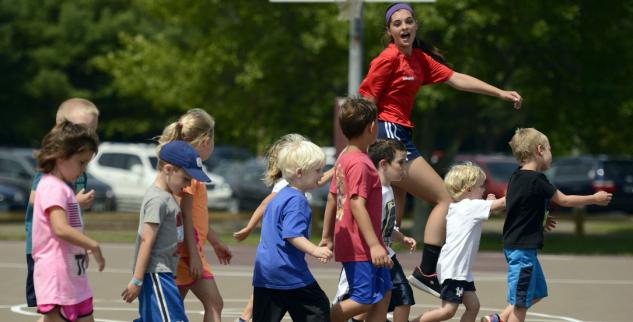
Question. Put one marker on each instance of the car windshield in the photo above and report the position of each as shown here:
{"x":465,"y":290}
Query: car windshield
{"x":502,"y":170}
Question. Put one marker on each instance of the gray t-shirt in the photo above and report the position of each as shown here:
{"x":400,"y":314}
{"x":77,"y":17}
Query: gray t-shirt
{"x":160,"y":207}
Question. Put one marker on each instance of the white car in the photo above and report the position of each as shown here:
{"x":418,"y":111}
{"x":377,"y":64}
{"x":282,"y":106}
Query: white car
{"x":130,"y":168}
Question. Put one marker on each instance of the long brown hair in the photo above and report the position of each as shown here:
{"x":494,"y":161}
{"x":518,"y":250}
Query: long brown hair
{"x":63,"y":141}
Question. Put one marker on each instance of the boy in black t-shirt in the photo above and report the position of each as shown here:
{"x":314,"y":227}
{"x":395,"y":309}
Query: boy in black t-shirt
{"x":529,"y":193}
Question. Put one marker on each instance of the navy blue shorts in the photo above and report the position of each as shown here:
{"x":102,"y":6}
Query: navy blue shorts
{"x":453,"y":290}
{"x":388,"y":130}
{"x":401,"y":291}
{"x":30,"y":288}
{"x":306,"y":304}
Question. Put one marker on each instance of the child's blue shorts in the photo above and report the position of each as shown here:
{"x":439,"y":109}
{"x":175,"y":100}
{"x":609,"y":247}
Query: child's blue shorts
{"x":160,"y":300}
{"x":526,"y":281}
{"x":388,"y":130}
{"x":367,"y":283}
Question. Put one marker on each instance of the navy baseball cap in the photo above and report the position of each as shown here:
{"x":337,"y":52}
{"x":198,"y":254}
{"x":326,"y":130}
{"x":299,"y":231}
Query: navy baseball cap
{"x":183,"y":155}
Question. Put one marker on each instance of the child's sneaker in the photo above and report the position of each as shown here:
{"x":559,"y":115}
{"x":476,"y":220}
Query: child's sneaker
{"x":491,"y":318}
{"x":426,"y":283}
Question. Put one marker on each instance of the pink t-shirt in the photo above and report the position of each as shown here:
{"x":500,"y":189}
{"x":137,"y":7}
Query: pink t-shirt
{"x":355,"y":174}
{"x":60,"y":268}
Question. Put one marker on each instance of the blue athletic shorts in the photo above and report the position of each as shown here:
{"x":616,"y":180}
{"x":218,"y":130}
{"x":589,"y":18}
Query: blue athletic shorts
{"x":367,"y":283}
{"x":526,"y":281}
{"x":401,"y":292}
{"x":388,"y":130}
{"x":160,"y":300}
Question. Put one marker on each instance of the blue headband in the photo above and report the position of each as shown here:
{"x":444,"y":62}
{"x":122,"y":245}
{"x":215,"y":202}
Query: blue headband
{"x":395,"y":8}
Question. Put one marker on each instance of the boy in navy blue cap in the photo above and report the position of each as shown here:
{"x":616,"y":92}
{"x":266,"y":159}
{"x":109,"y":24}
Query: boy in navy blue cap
{"x":160,"y":230}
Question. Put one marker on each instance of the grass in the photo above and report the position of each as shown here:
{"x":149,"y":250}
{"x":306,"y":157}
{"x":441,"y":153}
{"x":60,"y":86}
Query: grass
{"x":604,"y":235}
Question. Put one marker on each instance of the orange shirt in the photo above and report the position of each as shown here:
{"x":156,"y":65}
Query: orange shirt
{"x":200,"y":217}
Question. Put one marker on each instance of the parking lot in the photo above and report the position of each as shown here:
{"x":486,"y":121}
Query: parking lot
{"x":582,"y":288}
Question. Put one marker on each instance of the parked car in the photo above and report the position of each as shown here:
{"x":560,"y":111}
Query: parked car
{"x":584,"y":175}
{"x":497,"y":167}
{"x":12,"y":197}
{"x":223,"y":154}
{"x":246,"y":180}
{"x":130,"y":168}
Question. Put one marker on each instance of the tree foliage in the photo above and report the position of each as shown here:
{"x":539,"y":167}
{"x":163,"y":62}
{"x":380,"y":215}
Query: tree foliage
{"x":265,"y":69}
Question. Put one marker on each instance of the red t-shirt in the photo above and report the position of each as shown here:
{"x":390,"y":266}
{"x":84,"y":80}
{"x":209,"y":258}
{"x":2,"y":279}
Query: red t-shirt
{"x":355,"y":174}
{"x":394,"y":78}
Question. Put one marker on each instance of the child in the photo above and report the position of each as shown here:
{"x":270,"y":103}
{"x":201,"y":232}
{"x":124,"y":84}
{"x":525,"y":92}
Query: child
{"x":281,"y":279}
{"x":160,"y":230}
{"x":465,"y":184}
{"x":77,"y":111}
{"x":197,"y":128}
{"x":529,"y":193}
{"x":59,"y":246}
{"x":354,"y":203}
{"x":389,"y":156}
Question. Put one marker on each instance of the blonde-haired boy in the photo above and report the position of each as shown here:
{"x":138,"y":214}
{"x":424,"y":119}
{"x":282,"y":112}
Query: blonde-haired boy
{"x":529,"y":193}
{"x":281,"y":279}
{"x":77,"y":111}
{"x":465,"y":184}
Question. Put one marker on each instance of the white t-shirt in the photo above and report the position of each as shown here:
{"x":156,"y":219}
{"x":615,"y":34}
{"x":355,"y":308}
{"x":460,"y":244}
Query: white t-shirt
{"x":463,"y":232}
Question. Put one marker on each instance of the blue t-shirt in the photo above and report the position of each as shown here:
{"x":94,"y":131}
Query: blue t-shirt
{"x":278,"y":264}
{"x":28,"y":217}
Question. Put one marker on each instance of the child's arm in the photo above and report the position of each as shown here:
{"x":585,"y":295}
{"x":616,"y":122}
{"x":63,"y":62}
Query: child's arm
{"x":327,"y":175}
{"x":303,"y":244}
{"x":61,"y":229}
{"x":379,"y":256}
{"x":148,"y":236}
{"x":399,"y":237}
{"x":600,"y":198}
{"x":328,"y":221}
{"x":255,"y":219}
{"x":222,"y":251}
{"x":195,"y":263}
{"x":497,"y":204}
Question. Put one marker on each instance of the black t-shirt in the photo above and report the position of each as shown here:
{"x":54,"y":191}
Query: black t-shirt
{"x":526,"y":203}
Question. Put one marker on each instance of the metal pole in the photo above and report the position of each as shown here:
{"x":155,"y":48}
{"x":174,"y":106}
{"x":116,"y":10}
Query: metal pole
{"x":355,"y":51}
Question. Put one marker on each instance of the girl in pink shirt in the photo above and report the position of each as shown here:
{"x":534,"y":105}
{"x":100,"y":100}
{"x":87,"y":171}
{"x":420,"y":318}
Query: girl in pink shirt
{"x":60,"y":249}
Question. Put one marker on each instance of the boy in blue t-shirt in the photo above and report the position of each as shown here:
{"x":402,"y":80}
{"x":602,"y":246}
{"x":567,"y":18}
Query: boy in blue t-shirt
{"x":281,"y":279}
{"x":77,"y":111}
{"x":528,"y":196}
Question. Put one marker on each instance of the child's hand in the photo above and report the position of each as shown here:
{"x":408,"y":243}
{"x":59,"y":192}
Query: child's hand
{"x":602,"y":198}
{"x":491,"y":196}
{"x":326,"y":242}
{"x":224,"y":253}
{"x":99,"y":258}
{"x":195,"y":266}
{"x":84,"y":199}
{"x":409,"y":242}
{"x":379,"y":256}
{"x":550,"y":223}
{"x":130,"y":293}
{"x":324,"y":254}
{"x":241,"y":234}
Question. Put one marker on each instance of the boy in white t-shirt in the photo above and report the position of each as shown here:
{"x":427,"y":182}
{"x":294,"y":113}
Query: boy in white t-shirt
{"x":465,"y":184}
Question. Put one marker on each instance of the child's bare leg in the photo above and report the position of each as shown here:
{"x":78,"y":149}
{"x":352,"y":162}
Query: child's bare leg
{"x":53,"y":316}
{"x":89,"y":318}
{"x":342,"y":311}
{"x":206,"y":290}
{"x":378,"y":311}
{"x":471,"y":302}
{"x":401,"y":313}
{"x":183,"y":290}
{"x":445,"y":312}
{"x":517,"y":314}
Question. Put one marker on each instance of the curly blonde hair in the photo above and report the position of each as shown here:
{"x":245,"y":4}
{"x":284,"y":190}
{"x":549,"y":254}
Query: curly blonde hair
{"x":461,"y":177}
{"x":273,"y":173}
